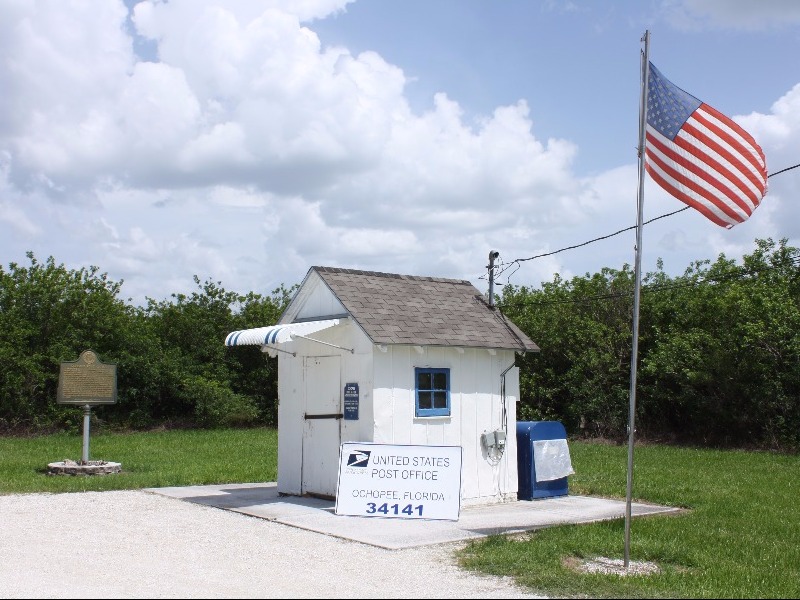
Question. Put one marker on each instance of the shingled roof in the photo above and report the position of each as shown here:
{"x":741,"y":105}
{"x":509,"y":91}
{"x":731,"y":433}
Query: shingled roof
{"x":423,"y":311}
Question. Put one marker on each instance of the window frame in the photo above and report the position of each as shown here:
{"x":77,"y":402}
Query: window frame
{"x":431,"y":412}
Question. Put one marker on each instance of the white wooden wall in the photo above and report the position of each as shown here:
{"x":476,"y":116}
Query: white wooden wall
{"x":476,"y":407}
{"x":355,"y":367}
{"x":290,"y":423}
{"x":314,"y":300}
{"x":387,"y":403}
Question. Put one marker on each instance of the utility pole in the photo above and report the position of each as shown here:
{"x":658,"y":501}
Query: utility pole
{"x":492,"y":256}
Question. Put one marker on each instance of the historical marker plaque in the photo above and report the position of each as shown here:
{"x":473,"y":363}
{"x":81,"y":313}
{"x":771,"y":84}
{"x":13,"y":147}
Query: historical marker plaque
{"x":87,"y":381}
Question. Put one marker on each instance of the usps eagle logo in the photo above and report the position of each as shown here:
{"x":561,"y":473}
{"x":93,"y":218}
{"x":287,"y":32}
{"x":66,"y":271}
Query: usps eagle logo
{"x":358,"y":458}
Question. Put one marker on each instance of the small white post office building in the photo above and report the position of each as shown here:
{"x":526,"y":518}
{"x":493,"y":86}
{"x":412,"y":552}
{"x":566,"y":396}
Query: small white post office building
{"x":393,"y":359}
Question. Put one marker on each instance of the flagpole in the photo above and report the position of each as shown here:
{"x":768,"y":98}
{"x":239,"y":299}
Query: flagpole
{"x":637,"y":290}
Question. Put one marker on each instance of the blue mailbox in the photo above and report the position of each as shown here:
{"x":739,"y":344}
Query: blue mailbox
{"x":545,"y":443}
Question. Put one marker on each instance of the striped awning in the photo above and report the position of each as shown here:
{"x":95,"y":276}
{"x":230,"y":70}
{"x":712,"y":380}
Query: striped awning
{"x":276,"y":334}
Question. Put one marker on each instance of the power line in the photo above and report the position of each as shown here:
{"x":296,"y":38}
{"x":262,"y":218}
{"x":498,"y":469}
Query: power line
{"x":783,"y":170}
{"x":605,"y":237}
{"x":743,"y":273}
{"x":518,"y":261}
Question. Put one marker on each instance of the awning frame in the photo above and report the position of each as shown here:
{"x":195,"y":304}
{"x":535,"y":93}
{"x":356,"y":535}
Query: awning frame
{"x":269,"y":337}
{"x":302,"y":337}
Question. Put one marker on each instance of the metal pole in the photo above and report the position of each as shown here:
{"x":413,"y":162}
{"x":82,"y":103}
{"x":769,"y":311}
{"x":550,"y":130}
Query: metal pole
{"x":87,"y":413}
{"x":637,"y":292}
{"x":492,"y":255}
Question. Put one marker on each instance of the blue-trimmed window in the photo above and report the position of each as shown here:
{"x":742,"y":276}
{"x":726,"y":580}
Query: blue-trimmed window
{"x":433,"y":392}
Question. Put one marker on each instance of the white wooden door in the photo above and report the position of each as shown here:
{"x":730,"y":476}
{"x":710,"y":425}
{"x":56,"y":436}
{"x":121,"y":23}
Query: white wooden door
{"x":321,"y":425}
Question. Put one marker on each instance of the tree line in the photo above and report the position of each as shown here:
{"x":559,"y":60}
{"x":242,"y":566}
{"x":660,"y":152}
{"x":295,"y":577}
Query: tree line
{"x":719,"y":351}
{"x":172,"y":366}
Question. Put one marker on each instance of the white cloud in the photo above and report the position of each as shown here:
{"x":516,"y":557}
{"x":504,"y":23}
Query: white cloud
{"x":250,"y":152}
{"x":251,"y":100}
{"x":735,"y":14}
{"x":17,"y":220}
{"x":778,"y":133}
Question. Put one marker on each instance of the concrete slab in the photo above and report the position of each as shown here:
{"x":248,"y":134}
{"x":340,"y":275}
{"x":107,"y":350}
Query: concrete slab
{"x":313,"y":514}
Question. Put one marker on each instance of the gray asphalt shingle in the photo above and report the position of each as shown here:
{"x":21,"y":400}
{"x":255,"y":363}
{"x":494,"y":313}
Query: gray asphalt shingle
{"x":424,"y":311}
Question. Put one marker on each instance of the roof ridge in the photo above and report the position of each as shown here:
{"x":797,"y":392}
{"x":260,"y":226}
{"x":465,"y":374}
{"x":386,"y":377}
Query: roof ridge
{"x":390,"y":275}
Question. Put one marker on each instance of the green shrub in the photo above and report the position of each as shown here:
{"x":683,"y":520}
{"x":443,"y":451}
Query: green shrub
{"x":217,"y":406}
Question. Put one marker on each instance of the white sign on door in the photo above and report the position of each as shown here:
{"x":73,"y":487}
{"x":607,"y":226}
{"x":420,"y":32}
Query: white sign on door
{"x":398,"y":481}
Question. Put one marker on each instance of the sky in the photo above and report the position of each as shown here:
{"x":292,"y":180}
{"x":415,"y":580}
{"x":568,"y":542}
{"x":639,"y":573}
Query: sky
{"x":244,"y":141}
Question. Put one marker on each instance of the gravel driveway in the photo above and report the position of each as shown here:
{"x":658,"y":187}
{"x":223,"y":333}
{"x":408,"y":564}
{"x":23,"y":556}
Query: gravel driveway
{"x":134,"y":544}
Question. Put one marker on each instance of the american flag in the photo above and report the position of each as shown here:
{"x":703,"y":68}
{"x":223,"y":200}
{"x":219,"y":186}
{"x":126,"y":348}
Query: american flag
{"x":700,"y":156}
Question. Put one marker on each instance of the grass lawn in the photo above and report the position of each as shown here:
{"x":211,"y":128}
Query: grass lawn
{"x":739,"y":538}
{"x":151,"y":459}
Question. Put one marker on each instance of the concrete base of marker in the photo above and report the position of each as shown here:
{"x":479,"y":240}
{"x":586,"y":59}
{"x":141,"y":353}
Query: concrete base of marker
{"x":612,"y":566}
{"x":92,"y":467}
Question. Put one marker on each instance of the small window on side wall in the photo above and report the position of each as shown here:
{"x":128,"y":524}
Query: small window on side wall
{"x":433,"y":392}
